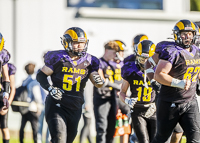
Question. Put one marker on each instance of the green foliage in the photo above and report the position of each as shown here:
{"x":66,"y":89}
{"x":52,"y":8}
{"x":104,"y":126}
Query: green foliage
{"x":195,"y":5}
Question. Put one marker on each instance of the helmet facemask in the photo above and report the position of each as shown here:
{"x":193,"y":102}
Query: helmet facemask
{"x":142,"y":59}
{"x":180,"y":40}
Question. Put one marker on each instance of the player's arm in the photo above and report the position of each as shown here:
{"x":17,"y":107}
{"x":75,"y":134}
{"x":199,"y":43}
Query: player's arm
{"x":129,"y":101}
{"x":150,"y":64}
{"x":149,"y":67}
{"x":42,"y":77}
{"x":162,"y":76}
{"x":12,"y":88}
{"x":123,"y":91}
{"x":6,"y":84}
{"x":97,"y":79}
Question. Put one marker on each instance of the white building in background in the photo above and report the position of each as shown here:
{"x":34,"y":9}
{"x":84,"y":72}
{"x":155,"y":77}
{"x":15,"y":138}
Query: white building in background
{"x":32,"y":27}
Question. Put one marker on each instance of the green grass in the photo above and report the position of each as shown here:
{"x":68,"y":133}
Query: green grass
{"x":26,"y":140}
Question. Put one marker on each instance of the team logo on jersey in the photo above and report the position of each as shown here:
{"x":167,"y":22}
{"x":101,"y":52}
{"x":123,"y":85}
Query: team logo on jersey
{"x":191,"y":54}
{"x":85,"y":64}
{"x":75,"y":63}
{"x":140,"y":82}
{"x":73,"y":70}
{"x":192,"y":62}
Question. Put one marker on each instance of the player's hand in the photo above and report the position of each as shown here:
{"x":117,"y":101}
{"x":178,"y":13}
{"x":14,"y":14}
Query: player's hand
{"x":56,"y":92}
{"x":5,"y":102}
{"x":98,"y":79}
{"x":156,"y":86}
{"x":3,"y":110}
{"x":187,"y":84}
{"x":131,"y":101}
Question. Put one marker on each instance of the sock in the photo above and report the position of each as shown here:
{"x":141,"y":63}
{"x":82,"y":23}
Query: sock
{"x":5,"y":141}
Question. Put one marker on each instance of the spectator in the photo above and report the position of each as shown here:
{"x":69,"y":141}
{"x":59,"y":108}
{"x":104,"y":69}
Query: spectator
{"x":35,"y":100}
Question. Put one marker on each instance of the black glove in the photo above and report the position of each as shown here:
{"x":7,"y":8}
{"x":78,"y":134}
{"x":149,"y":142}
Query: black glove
{"x":56,"y":92}
{"x":198,"y":88}
{"x":156,"y":86}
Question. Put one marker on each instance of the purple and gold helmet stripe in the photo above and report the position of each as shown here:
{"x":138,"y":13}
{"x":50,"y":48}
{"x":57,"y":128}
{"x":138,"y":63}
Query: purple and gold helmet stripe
{"x":146,"y":48}
{"x":139,"y":48}
{"x":144,"y":37}
{"x":1,"y":42}
{"x":185,"y":25}
{"x":152,"y":50}
{"x":121,"y":45}
{"x":72,"y":34}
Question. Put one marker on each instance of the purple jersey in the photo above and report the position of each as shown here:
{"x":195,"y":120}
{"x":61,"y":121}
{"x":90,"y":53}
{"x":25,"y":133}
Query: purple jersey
{"x":161,"y":45}
{"x":4,"y":58}
{"x":70,"y":76}
{"x":130,"y":58}
{"x":135,"y":77}
{"x":117,"y":71}
{"x":11,"y":69}
{"x":108,"y":71}
{"x":185,"y":65}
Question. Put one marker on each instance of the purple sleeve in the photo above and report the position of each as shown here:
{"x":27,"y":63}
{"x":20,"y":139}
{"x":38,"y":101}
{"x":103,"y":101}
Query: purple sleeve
{"x":101,"y":65}
{"x":94,"y":64}
{"x":127,"y":69}
{"x":158,"y":48}
{"x":5,"y":56}
{"x":129,"y":58}
{"x":11,"y":69}
{"x":51,"y":58}
{"x":169,"y":54}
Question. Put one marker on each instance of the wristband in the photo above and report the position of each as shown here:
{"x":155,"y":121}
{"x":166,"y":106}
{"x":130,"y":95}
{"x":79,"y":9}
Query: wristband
{"x":6,"y":86}
{"x":50,"y":88}
{"x":149,"y":70}
{"x":152,"y":80}
{"x":178,"y":83}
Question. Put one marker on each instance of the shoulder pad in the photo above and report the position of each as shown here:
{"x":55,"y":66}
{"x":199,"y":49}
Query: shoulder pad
{"x":127,"y":69}
{"x":52,"y":57}
{"x":4,"y":56}
{"x":129,"y":58}
{"x":11,"y":69}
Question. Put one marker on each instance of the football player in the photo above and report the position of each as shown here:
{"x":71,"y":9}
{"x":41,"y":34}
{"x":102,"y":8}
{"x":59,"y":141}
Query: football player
{"x":104,"y":98}
{"x":5,"y":82}
{"x":117,"y":64}
{"x":142,"y":97}
{"x":138,"y":38}
{"x":177,"y":71}
{"x":69,"y":70}
{"x":197,"y":38}
{"x":4,"y":111}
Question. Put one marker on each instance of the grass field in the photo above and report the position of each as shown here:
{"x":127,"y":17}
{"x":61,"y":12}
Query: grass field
{"x":16,"y":140}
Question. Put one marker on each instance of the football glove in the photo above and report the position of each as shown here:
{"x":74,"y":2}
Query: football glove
{"x":56,"y":92}
{"x":98,"y":79}
{"x":5,"y":95}
{"x":156,"y":86}
{"x":131,"y":101}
